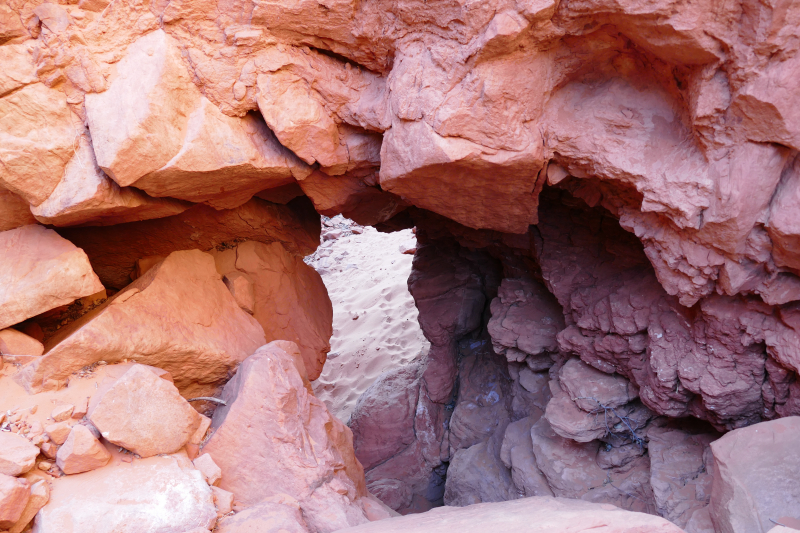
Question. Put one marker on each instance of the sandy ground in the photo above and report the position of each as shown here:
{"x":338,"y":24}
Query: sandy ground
{"x":375,"y":326}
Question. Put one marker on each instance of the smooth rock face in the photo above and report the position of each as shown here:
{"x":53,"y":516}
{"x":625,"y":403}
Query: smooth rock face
{"x":537,"y":514}
{"x":14,"y":211}
{"x":274,"y":437}
{"x":290,"y":299}
{"x":40,"y":495}
{"x":41,"y":271}
{"x":17,"y":343}
{"x":37,"y":134}
{"x":156,"y":494}
{"x":283,"y":515}
{"x":17,"y":454}
{"x":14,"y":496}
{"x":144,"y":414}
{"x":755,"y":476}
{"x":81,"y":452}
{"x":179,"y":317}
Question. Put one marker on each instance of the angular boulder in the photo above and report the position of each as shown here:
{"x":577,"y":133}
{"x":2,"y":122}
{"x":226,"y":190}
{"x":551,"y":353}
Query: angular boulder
{"x":14,"y":496}
{"x":81,"y":452}
{"x":13,"y":342}
{"x":290,"y":299}
{"x":14,"y":211}
{"x":179,"y":316}
{"x":40,"y":495}
{"x":144,"y":414}
{"x":155,"y":494}
{"x":17,"y":454}
{"x":282,"y":514}
{"x":274,"y":437}
{"x":37,"y":135}
{"x":40,"y":271}
{"x":86,"y":195}
{"x":755,"y":476}
{"x":540,"y":514}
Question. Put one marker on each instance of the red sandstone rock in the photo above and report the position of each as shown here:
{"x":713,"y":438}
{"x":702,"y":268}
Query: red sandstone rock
{"x":290,"y":299}
{"x":58,"y":432}
{"x":82,"y":452}
{"x":14,"y":211}
{"x":144,"y":414}
{"x":114,"y":250}
{"x":17,"y":343}
{"x":40,"y":495}
{"x":275,"y":437}
{"x":538,"y":514}
{"x":17,"y":454}
{"x":206,"y":465}
{"x":282,"y":515}
{"x":41,"y":271}
{"x":62,"y":412}
{"x":179,"y":316}
{"x":14,"y":496}
{"x":155,"y":494}
{"x":223,"y":500}
{"x":517,"y":455}
{"x":755,"y":473}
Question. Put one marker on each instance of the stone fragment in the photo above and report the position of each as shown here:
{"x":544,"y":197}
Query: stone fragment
{"x":62,"y":412}
{"x":285,"y":517}
{"x":144,"y":414}
{"x":517,"y":455}
{"x":179,"y":317}
{"x":206,"y":465}
{"x":223,"y":500}
{"x":591,"y":388}
{"x":14,"y":496}
{"x":525,"y":320}
{"x":41,"y":271}
{"x":274,"y":437}
{"x":755,"y":476}
{"x":86,"y":195}
{"x":58,"y":432}
{"x":17,"y":454}
{"x":533,"y":515}
{"x":290,"y":299}
{"x":40,"y":495}
{"x":114,"y":250}
{"x":17,"y":343}
{"x":37,"y":134}
{"x":82,"y":452}
{"x":19,"y":70}
{"x":147,"y":495}
{"x":14,"y":211}
{"x":242,"y":289}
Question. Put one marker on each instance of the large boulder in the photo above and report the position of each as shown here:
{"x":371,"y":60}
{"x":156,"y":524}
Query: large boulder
{"x":290,"y":300}
{"x":144,"y":414}
{"x":179,"y":316}
{"x":40,"y":271}
{"x":81,"y":452}
{"x":532,"y":515}
{"x":275,"y":437}
{"x":115,"y":250}
{"x":755,"y":476}
{"x":37,"y":136}
{"x":162,"y":494}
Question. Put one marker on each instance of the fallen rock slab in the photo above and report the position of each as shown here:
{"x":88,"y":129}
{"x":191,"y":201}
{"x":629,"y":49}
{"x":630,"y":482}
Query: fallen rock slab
{"x":81,"y":452}
{"x":540,"y":514}
{"x":283,"y":517}
{"x":40,"y":495}
{"x":14,"y":211}
{"x":274,"y":437}
{"x":13,"y":342}
{"x":162,"y":494}
{"x":14,"y":496}
{"x":755,"y":476}
{"x":40,"y":271}
{"x":179,"y":316}
{"x":144,"y":414}
{"x":17,"y":454}
{"x":291,"y":301}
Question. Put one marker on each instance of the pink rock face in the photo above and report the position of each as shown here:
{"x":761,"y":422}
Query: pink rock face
{"x":274,"y":437}
{"x":156,"y":494}
{"x":206,"y":465}
{"x":290,"y":299}
{"x":41,"y":271}
{"x":17,"y":343}
{"x":14,"y":211}
{"x":17,"y":454}
{"x":538,"y":514}
{"x":14,"y":496}
{"x":144,"y":414}
{"x":179,"y":316}
{"x":755,"y":472}
{"x":40,"y":495}
{"x":81,"y":452}
{"x":268,"y":516}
